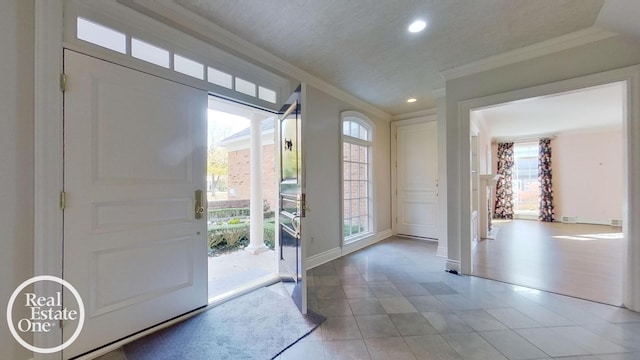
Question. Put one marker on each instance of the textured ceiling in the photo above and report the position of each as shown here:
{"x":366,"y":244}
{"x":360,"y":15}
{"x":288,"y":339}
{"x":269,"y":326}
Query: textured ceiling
{"x":362,"y":46}
{"x":600,"y":107}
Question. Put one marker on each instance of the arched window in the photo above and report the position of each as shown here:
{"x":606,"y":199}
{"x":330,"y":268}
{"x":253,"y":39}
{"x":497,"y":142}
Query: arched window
{"x":357,"y":188}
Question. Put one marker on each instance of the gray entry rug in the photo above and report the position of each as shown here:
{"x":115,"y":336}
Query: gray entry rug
{"x":259,"y":325}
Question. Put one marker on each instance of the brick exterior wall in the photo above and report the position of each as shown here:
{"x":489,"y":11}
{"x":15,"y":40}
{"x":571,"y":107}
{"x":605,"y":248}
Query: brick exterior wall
{"x":239,"y":178}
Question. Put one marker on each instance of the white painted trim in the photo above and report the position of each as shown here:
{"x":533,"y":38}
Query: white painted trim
{"x":48,"y":165}
{"x":453,"y":265}
{"x":216,"y":34}
{"x":439,"y":93}
{"x":337,"y":252}
{"x":542,"y":48}
{"x":620,"y":16}
{"x":431,"y":116}
{"x":631,"y":187}
{"x":323,"y":257}
{"x":361,"y":244}
{"x":416,"y":114}
{"x":442,"y":251}
{"x":606,"y":222}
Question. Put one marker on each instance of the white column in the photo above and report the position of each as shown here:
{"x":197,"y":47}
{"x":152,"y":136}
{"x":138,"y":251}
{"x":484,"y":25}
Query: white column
{"x":256,"y":231}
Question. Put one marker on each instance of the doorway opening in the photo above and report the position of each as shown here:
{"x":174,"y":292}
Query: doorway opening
{"x":553,"y":170}
{"x":241,"y":243}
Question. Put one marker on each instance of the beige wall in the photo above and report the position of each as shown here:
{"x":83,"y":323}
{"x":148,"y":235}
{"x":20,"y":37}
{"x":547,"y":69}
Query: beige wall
{"x":322,"y":137}
{"x":16,"y":157}
{"x":587,"y":172}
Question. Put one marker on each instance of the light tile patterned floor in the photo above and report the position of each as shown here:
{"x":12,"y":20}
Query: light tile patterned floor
{"x":394,"y":301}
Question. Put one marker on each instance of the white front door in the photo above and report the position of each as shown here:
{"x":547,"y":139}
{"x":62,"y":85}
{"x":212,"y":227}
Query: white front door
{"x":134,"y":155}
{"x":417,"y":179}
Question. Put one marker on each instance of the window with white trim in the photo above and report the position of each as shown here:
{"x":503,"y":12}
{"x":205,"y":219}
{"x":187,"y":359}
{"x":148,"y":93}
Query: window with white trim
{"x":357,"y":141}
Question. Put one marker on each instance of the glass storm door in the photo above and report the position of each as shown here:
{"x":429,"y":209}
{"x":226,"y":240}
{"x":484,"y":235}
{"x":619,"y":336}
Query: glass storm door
{"x":291,"y":207}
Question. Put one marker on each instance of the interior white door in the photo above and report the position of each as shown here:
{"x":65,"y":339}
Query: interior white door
{"x":134,"y":155}
{"x":417,"y":180}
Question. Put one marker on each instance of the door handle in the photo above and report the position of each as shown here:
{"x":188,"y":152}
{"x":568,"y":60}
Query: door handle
{"x":295,"y":222}
{"x":199,"y":210}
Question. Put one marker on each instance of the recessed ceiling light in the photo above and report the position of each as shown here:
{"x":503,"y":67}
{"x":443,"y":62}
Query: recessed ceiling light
{"x":417,"y":26}
{"x":412,"y":100}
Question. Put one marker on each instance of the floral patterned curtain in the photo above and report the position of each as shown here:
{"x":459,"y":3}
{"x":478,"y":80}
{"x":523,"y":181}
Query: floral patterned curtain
{"x":544,"y":176}
{"x":504,"y":190}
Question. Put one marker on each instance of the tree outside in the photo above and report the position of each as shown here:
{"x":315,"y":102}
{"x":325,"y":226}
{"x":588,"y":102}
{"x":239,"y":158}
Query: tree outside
{"x":217,"y":168}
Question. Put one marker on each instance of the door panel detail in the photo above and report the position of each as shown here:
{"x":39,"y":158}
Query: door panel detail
{"x":134,"y":154}
{"x":417,"y":180}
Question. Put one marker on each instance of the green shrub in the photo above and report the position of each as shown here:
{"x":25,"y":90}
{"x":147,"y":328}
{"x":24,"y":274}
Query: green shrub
{"x":221,"y":214}
{"x":351,"y":229}
{"x":270,"y":233}
{"x":234,"y":235}
{"x":227,"y":238}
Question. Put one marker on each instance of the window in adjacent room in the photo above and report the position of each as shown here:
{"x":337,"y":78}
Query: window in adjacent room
{"x":526,"y":187}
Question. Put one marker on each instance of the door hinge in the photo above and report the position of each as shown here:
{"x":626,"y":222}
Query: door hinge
{"x":303,"y":204}
{"x":63,"y":82}
{"x":63,"y":200}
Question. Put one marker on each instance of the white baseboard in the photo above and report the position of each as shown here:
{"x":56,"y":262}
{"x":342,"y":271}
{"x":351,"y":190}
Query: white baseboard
{"x":579,"y":220}
{"x":323,"y":257}
{"x":443,"y":251}
{"x":332,"y":254}
{"x":355,"y":246}
{"x":453,"y":265}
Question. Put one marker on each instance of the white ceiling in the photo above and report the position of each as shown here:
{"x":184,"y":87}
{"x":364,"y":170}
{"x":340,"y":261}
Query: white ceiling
{"x":363,"y":47}
{"x":595,"y":108}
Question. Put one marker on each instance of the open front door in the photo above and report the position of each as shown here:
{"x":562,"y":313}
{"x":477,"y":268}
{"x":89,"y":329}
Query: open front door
{"x":135,"y":242}
{"x":292,"y":199}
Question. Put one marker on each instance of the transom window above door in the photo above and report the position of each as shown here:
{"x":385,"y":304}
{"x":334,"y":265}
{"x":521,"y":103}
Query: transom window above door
{"x":160,"y":50}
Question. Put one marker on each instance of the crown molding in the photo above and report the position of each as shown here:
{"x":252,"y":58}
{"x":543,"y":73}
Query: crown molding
{"x":620,"y":16}
{"x":416,"y":114}
{"x":204,"y":28}
{"x":564,"y":42}
{"x":439,"y":93}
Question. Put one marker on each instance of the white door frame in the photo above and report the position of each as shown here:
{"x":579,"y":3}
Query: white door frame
{"x":48,"y":147}
{"x":631,"y":187}
{"x":394,"y":164}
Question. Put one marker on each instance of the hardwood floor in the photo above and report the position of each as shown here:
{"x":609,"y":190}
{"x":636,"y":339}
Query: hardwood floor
{"x":579,"y":260}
